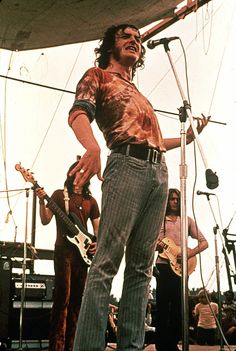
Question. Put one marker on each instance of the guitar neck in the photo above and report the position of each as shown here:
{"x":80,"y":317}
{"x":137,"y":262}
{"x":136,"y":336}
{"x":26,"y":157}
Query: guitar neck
{"x":59,"y":212}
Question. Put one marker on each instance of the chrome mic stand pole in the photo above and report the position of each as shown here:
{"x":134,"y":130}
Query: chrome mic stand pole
{"x":184,"y":233}
{"x":217,"y":267}
{"x":212,"y":182}
{"x":23,"y":272}
{"x":215,"y":229}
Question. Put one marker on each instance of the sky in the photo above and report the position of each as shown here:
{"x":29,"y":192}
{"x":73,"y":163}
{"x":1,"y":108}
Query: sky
{"x":34,"y":129}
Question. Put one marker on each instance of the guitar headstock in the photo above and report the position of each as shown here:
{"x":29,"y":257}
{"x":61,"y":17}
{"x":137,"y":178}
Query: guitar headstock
{"x":28,"y":176}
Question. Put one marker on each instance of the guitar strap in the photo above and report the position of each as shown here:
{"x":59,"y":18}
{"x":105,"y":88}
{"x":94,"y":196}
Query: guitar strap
{"x":66,"y":199}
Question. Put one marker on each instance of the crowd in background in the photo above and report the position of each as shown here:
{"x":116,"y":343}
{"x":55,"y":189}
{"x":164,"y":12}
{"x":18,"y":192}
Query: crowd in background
{"x":203,"y":311}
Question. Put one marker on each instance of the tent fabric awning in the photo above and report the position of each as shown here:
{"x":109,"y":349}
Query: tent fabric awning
{"x":35,"y":24}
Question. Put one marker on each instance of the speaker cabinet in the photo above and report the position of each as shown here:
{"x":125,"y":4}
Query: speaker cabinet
{"x":5,"y":292}
{"x":35,"y":310}
{"x":35,"y":323}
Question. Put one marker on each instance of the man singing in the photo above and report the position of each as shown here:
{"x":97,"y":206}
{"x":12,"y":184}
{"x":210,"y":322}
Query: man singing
{"x":135,"y":186}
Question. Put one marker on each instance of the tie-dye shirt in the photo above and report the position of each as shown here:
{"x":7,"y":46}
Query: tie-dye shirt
{"x":122,"y":113}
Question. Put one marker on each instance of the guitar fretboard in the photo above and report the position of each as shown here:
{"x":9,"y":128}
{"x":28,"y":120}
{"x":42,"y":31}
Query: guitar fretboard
{"x":58,"y":211}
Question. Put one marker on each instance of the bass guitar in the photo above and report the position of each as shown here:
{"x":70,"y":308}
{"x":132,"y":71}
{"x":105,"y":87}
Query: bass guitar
{"x":77,"y":235}
{"x":171,"y":251}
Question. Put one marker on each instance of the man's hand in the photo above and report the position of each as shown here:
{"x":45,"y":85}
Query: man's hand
{"x":90,"y":163}
{"x":92,"y":248}
{"x":201,"y":124}
{"x":231,"y":330}
{"x":40,"y":193}
{"x":88,"y":166}
{"x":190,"y":253}
{"x":160,"y":246}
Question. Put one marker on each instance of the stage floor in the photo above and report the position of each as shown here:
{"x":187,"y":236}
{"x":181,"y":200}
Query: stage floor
{"x":43,"y":347}
{"x":191,"y":348}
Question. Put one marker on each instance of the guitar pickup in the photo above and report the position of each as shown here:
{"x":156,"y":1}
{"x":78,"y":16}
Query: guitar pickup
{"x":86,"y":244}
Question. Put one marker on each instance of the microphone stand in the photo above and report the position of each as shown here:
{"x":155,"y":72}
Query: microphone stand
{"x":217,"y":266}
{"x":177,"y":114}
{"x":24,"y":266}
{"x":23,"y":272}
{"x":230,"y":245}
{"x":212,"y":181}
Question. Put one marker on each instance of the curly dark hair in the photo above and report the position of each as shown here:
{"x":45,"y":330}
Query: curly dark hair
{"x":103,"y":52}
{"x":171,"y":192}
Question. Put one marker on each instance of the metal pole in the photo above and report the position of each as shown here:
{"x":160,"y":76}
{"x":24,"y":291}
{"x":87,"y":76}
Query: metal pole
{"x":33,"y":229}
{"x":184,"y":233}
{"x":23,"y":272}
{"x":215,"y":229}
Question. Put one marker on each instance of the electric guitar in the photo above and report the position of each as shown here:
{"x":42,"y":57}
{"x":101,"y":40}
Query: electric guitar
{"x":171,"y":251}
{"x":77,"y":235}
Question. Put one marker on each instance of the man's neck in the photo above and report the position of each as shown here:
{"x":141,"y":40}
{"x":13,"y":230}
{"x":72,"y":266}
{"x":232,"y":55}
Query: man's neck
{"x":173,"y":215}
{"x":124,"y":71}
{"x":77,"y":191}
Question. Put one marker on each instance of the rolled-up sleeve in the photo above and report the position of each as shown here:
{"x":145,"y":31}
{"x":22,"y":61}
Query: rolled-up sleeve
{"x":81,"y":105}
{"x":86,"y":96}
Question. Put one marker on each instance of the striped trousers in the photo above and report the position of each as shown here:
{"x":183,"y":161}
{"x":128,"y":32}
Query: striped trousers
{"x":134,"y":195}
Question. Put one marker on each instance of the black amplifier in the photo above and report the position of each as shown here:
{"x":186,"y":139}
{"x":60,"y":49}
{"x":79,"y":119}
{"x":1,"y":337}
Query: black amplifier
{"x":37,"y":287}
{"x":36,"y":308}
{"x":33,"y":290}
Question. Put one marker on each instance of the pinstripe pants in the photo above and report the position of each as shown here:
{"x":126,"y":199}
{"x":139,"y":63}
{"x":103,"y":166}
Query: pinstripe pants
{"x":133,"y":206}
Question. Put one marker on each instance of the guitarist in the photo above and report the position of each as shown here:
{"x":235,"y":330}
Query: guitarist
{"x":168,"y":291}
{"x":70,"y":269}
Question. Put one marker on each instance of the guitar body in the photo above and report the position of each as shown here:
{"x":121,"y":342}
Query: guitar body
{"x":171,"y":251}
{"x":82,"y":239}
{"x":78,"y":235}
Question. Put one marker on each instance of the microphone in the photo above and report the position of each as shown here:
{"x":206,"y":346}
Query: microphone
{"x":151,"y":44}
{"x":204,"y":193}
{"x":212,"y":180}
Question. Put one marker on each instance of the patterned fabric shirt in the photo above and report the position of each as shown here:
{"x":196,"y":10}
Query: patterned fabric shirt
{"x":122,"y":113}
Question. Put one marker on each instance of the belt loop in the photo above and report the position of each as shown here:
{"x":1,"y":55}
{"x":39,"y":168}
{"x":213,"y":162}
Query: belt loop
{"x":127,"y":150}
{"x":149,"y":154}
{"x":155,"y":156}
